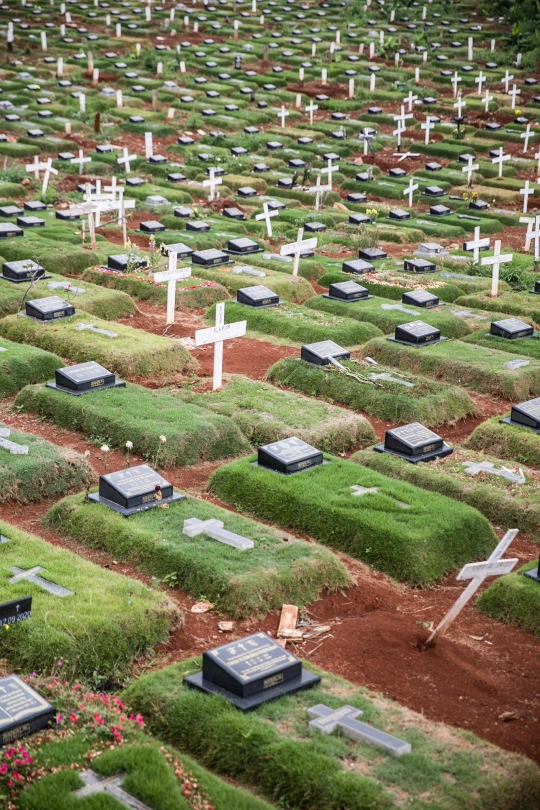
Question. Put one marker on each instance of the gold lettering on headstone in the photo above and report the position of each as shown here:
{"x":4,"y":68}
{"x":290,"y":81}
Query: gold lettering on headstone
{"x":148,"y":498}
{"x":15,"y":733}
{"x":273,"y":681}
{"x":95,"y":383}
{"x":59,"y":314}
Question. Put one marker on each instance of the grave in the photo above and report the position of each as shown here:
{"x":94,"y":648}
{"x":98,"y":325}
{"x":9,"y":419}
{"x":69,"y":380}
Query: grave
{"x":133,"y":490}
{"x":214,"y":528}
{"x":23,"y":270}
{"x":49,"y":309}
{"x":417,"y":333}
{"x":84,"y":378}
{"x":323,"y":353}
{"x":414,"y":443}
{"x":327,"y":720}
{"x":525,"y":415}
{"x":251,"y":671}
{"x":7,"y":230}
{"x":257,"y":296}
{"x":18,"y":610}
{"x":420,"y":298}
{"x":210,"y":258}
{"x":23,"y":711}
{"x":511,"y":329}
{"x":357,"y":266}
{"x":110,"y":786}
{"x":242,"y":246}
{"x":14,"y":448}
{"x":372,"y":254}
{"x":152,"y":226}
{"x":419,"y":266}
{"x":32,"y":575}
{"x":288,"y":456}
{"x":347,"y":291}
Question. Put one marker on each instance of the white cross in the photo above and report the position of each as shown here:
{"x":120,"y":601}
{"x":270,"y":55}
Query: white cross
{"x":217,"y":335}
{"x":470,"y":168}
{"x":487,"y":99}
{"x":477,"y":243}
{"x":266,"y":215}
{"x":296,"y":248}
{"x":283,"y":113}
{"x":480,"y":79}
{"x":477,"y":573}
{"x":31,"y":575}
{"x":496,"y":260}
{"x":212,"y":182}
{"x":526,"y":135}
{"x":36,"y":167}
{"x":81,"y":160}
{"x":48,"y":171}
{"x":526,"y":191}
{"x":506,"y":81}
{"x":171,"y":276}
{"x":455,"y":79}
{"x":326,"y":720}
{"x":537,"y":157}
{"x":331,"y":168}
{"x":402,"y":118}
{"x":459,"y":105}
{"x":411,"y":188}
{"x":499,"y":160}
{"x":404,"y":155}
{"x":318,"y":189}
{"x":126,"y":160}
{"x":427,"y":126}
{"x":110,"y":784}
{"x":398,"y":133}
{"x":513,"y":93}
{"x":529,"y":221}
{"x":368,"y":136}
{"x":310,"y":108}
{"x":533,"y":233}
{"x":148,"y":145}
{"x":410,"y":99}
{"x":214,"y":528}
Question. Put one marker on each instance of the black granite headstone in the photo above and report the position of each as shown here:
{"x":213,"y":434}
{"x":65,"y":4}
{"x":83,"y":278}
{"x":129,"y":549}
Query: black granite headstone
{"x":251,"y":671}
{"x":320,"y":353}
{"x":16,"y":611}
{"x":419,"y":266}
{"x":347,"y":291}
{"x":289,"y":456}
{"x":420,"y":298}
{"x":152,"y":226}
{"x":122,"y":261}
{"x":511,"y":329}
{"x":210,"y":258}
{"x":49,"y":309}
{"x":372,"y":254}
{"x":7,"y":230}
{"x":23,"y":711}
{"x":84,"y":378}
{"x":414,"y":443}
{"x":22,"y":270}
{"x":182,"y":251}
{"x":134,"y":490}
{"x":257,"y":296}
{"x":525,"y":414}
{"x":358,"y":266}
{"x":198,"y":226}
{"x":416,"y":333}
{"x":242,"y":246}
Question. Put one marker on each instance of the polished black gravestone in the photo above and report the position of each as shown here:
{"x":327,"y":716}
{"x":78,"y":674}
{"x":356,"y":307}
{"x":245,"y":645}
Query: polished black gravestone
{"x":23,"y":270}
{"x":319,"y":353}
{"x":49,"y":309}
{"x":416,"y":333}
{"x":358,"y":266}
{"x":251,"y":671}
{"x":122,"y":261}
{"x":414,"y":443}
{"x":134,"y":490}
{"x":182,"y":251}
{"x":526,"y":415}
{"x":151,"y":226}
{"x":418,"y":266}
{"x":511,"y":329}
{"x":242,"y":246}
{"x":420,"y":298}
{"x":288,"y":456}
{"x":16,"y":611}
{"x":347,"y":291}
{"x":372,"y":254}
{"x":198,"y":226}
{"x":359,"y":219}
{"x":23,"y":711}
{"x":210,"y":258}
{"x":84,"y":378}
{"x":7,"y":230}
{"x":257,"y":296}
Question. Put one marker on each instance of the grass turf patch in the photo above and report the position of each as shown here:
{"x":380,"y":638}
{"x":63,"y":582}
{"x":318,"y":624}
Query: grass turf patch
{"x":239,"y":583}
{"x":373,"y":311}
{"x":299,"y":324}
{"x":415,"y":536}
{"x":511,"y":303}
{"x":97,"y":632}
{"x":265,"y":414}
{"x":153,"y":773}
{"x":132,"y":354}
{"x":141,"y":416}
{"x":46,"y":472}
{"x":477,"y":367}
{"x":514,"y":599}
{"x":503,"y":503}
{"x":506,"y":441}
{"x":273,"y":750}
{"x":21,"y":365}
{"x":289,"y":288}
{"x":528,"y":347}
{"x":432,"y":403}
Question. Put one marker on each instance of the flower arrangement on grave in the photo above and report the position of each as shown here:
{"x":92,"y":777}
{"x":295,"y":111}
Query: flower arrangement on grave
{"x":372,"y":213}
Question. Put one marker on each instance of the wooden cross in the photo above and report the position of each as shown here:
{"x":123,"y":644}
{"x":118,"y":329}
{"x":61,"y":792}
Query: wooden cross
{"x":110,"y":784}
{"x":36,"y":167}
{"x":459,"y":106}
{"x":411,"y":188}
{"x":148,"y":145}
{"x":81,"y":160}
{"x":455,"y":79}
{"x":470,"y":168}
{"x":500,"y":159}
{"x":496,"y":260}
{"x":513,"y":93}
{"x":217,"y":335}
{"x":266,"y":215}
{"x":295,"y":249}
{"x":526,"y":191}
{"x":311,"y":108}
{"x":526,"y":135}
{"x":427,"y":126}
{"x":331,"y":168}
{"x":212,"y":182}
{"x":477,"y":572}
{"x":283,"y":113}
{"x":126,"y":160}
{"x":480,"y":79}
{"x":410,"y":99}
{"x":487,"y":99}
{"x":318,"y":189}
{"x":476,"y":243}
{"x":506,"y":80}
{"x":48,"y":171}
{"x":171,"y":276}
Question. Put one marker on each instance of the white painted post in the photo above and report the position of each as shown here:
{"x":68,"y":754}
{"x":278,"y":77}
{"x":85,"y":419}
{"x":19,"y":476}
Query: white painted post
{"x":217,"y":335}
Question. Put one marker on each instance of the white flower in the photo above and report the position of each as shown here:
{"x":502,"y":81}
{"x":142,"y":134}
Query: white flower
{"x":129,"y":445}
{"x":104,"y":448}
{"x":163,"y":439}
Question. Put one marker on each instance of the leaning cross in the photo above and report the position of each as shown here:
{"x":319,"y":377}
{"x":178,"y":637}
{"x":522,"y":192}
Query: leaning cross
{"x":48,"y":171}
{"x":327,"y":720}
{"x":171,"y":276}
{"x":296,"y":248}
{"x":36,"y":167}
{"x":31,"y":575}
{"x":217,"y":335}
{"x":496,"y":260}
{"x":266,"y":215}
{"x":527,"y":136}
{"x":14,"y":448}
{"x":214,"y":529}
{"x":81,"y":326}
{"x":111,"y":785}
{"x":477,"y":573}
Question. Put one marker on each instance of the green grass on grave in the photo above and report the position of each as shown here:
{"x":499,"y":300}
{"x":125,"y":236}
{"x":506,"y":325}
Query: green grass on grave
{"x":239,"y":583}
{"x":506,"y":441}
{"x":415,"y":536}
{"x":273,"y":750}
{"x":47,"y":471}
{"x":97,"y":632}
{"x":294,"y":289}
{"x":141,"y":416}
{"x":519,"y":304}
{"x":108,"y":305}
{"x":503,"y":503}
{"x":432,"y":403}
{"x":480,"y":369}
{"x":22,"y":365}
{"x":524,"y":347}
{"x":132,"y":354}
{"x":50,"y":250}
{"x":265,"y":414}
{"x":298,"y":324}
{"x":514,"y":599}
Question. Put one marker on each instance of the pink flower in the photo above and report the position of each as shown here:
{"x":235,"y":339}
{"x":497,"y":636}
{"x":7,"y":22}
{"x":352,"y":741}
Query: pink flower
{"x":73,"y":718}
{"x":59,"y":718}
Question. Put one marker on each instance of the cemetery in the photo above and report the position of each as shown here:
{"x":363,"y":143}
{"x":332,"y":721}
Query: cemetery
{"x":269,"y":405}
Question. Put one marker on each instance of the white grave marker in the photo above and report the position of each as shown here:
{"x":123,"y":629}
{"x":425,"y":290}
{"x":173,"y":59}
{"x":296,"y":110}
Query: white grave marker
{"x":496,"y":260}
{"x":296,"y":248}
{"x":171,"y":276}
{"x":217,"y":335}
{"x":214,"y":529}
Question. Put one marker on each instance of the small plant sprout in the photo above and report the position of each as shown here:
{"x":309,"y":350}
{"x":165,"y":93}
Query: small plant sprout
{"x":105,"y":449}
{"x":129,"y":448}
{"x":162,"y":440}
